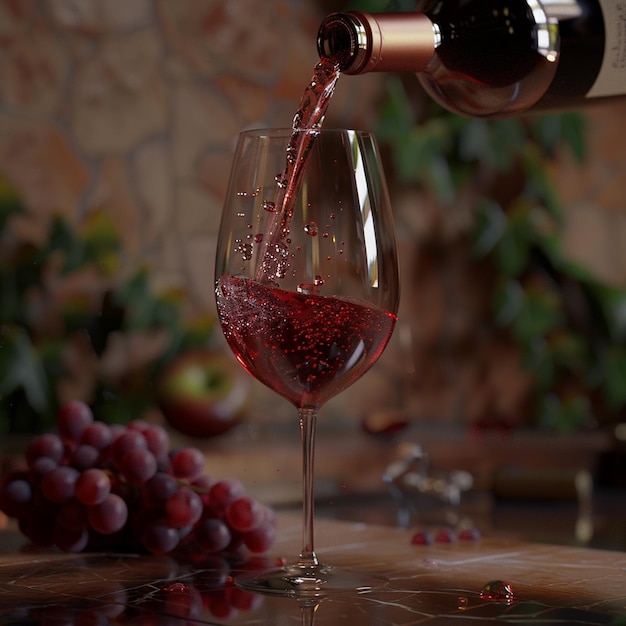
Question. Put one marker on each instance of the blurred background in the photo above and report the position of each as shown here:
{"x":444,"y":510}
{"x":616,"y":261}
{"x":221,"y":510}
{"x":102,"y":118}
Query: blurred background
{"x":117,"y":124}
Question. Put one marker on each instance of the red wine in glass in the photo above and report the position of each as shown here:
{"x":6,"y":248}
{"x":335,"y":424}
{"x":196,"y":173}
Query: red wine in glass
{"x":305,"y":347}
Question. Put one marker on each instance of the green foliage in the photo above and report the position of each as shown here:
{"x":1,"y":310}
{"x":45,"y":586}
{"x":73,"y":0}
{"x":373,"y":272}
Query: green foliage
{"x":64,"y":296}
{"x":570,"y":329}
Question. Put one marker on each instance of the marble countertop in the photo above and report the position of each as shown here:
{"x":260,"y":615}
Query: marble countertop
{"x":439,"y":583}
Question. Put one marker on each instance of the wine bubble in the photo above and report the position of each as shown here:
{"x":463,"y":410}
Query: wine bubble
{"x":291,"y":151}
{"x":269,"y":206}
{"x":276,"y":262}
{"x":244,"y":249}
{"x":311,"y":229}
{"x":297,"y":119}
{"x":258,"y":238}
{"x":307,"y":289}
{"x":319,"y":281}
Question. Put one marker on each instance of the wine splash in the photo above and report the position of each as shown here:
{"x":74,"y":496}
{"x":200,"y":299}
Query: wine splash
{"x":307,"y":120}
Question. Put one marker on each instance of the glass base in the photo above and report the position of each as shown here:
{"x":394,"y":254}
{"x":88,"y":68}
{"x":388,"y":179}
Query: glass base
{"x":307,"y":581}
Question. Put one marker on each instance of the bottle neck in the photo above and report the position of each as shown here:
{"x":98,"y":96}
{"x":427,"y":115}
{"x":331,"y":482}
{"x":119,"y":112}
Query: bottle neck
{"x":386,"y":42}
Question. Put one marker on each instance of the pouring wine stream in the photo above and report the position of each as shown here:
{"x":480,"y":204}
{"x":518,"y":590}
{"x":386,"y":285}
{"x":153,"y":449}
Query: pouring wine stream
{"x":308,"y":118}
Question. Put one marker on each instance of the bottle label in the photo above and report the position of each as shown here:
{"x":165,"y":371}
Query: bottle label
{"x":611,"y":80}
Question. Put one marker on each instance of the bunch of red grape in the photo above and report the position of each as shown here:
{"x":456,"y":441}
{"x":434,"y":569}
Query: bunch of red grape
{"x":97,"y":486}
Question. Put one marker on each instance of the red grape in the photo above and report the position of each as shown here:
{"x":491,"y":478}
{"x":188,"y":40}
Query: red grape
{"x":224,"y":491}
{"x":160,"y":538}
{"x":245,"y":513}
{"x":183,"y":508}
{"x":58,"y":485}
{"x":422,"y":538}
{"x":158,"y":440}
{"x":84,"y":457}
{"x":83,"y":488}
{"x":42,"y":466}
{"x":70,"y":540}
{"x":72,"y":515}
{"x":213,"y":535}
{"x":129,"y":440}
{"x":92,"y":487}
{"x":203,"y":484}
{"x":109,"y":516}
{"x":259,"y":539}
{"x":15,"y":497}
{"x":188,"y":464}
{"x":138,"y":465}
{"x":469,"y":534}
{"x":98,"y":435}
{"x":159,"y":488}
{"x":47,"y":445}
{"x":139,"y":425}
{"x":73,"y":418}
{"x":445,"y":535}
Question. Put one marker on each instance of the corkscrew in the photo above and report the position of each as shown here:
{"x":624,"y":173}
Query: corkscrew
{"x":410,"y":482}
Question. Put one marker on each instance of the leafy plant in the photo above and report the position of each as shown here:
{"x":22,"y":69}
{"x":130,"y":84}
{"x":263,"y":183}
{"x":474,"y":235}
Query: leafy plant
{"x":568,"y":325}
{"x":69,"y":325}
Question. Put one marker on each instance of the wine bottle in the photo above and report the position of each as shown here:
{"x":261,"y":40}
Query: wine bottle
{"x":491,"y":58}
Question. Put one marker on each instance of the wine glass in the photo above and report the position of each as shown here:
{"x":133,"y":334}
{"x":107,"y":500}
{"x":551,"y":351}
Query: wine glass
{"x":307,"y":290}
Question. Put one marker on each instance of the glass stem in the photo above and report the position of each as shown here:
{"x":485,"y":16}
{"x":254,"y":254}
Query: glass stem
{"x":308,"y":418}
{"x":307,"y":610}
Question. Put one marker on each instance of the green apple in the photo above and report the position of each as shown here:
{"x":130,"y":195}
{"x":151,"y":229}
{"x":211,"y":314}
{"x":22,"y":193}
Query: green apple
{"x":203,"y":393}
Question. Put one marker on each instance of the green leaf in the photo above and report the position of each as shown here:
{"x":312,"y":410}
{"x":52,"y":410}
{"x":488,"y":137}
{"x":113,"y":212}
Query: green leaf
{"x":497,"y":143}
{"x":508,"y":300}
{"x":564,"y":129}
{"x":10,"y":203}
{"x":564,"y":415}
{"x":490,"y":226}
{"x":539,"y":314}
{"x":101,"y":243}
{"x":22,"y":368}
{"x":513,"y":249}
{"x":63,"y":241}
{"x":613,"y":382}
{"x":569,"y":352}
{"x":538,"y":184}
